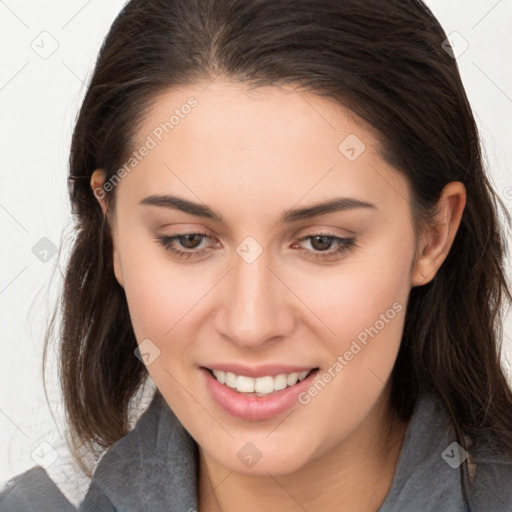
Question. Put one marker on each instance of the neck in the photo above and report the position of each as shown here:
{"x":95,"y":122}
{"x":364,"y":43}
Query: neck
{"x":354,"y":476}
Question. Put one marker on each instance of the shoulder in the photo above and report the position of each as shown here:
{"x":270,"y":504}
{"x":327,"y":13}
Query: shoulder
{"x":487,"y":466}
{"x":153,"y":467}
{"x":432,"y":464}
{"x":33,"y":491}
{"x":491,"y":487}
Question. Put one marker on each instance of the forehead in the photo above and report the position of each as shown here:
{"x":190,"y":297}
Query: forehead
{"x":230,"y":116}
{"x":272,"y":145}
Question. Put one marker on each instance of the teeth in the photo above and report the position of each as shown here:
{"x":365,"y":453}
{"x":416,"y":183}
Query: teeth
{"x":292,"y":379}
{"x":230,"y":380}
{"x":244,"y":384}
{"x":303,"y":375}
{"x":220,"y":376}
{"x":280,"y":381}
{"x":261,"y":386}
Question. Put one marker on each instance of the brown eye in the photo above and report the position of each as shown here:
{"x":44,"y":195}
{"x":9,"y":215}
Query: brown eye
{"x":184,"y":246}
{"x":190,"y":241}
{"x":326,"y":247}
{"x":322,"y":242}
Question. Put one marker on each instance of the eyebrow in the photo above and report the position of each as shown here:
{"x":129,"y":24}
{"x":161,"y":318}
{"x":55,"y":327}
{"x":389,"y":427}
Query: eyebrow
{"x":289,"y":216}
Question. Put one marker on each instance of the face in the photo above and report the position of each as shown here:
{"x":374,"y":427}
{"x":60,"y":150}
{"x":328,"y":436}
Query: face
{"x":255,"y":283}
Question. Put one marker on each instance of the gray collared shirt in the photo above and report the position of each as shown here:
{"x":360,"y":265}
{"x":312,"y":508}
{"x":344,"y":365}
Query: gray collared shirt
{"x":155,"y":468}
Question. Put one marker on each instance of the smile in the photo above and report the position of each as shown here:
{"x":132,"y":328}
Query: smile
{"x":257,"y":398}
{"x":260,"y":386}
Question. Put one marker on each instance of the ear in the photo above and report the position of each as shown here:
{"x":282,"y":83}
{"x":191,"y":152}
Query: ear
{"x":97,"y":182}
{"x":436,"y":242}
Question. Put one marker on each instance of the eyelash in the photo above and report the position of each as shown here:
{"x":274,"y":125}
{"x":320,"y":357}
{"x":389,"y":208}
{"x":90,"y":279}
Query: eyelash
{"x":343,"y":245}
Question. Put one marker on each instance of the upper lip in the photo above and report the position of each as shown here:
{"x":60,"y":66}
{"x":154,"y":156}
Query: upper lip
{"x":258,"y":371}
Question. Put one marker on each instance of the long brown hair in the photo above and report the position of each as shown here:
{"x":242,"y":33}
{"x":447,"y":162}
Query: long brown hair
{"x":385,"y":60}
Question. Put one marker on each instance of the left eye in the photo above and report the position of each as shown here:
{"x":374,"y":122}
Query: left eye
{"x":188,"y":241}
{"x":321,"y":245}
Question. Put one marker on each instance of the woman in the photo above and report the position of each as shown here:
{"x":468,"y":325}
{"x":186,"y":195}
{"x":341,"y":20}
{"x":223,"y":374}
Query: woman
{"x":283,"y":219}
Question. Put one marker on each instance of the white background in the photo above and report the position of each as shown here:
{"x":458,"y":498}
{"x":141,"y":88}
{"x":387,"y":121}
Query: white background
{"x":39,"y":99}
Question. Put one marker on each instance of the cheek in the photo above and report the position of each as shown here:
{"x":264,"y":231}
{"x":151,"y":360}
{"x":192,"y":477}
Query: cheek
{"x":361,"y":292}
{"x":161,"y":304}
{"x":365,"y":305}
{"x":160,"y":294}
{"x":164,"y":303}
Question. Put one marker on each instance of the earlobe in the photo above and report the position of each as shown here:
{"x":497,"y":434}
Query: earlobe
{"x":437,"y":241}
{"x":97,"y":181}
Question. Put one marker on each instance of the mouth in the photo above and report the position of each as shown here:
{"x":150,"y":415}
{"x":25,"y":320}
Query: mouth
{"x":259,"y":386}
{"x":256,"y":398}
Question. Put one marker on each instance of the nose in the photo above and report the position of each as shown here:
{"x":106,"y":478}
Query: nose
{"x":255,"y":304}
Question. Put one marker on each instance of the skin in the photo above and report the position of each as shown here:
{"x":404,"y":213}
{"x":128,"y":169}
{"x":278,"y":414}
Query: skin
{"x":249,"y":156}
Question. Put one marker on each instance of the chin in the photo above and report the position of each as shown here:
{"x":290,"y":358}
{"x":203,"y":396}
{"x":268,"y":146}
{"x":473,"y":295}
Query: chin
{"x":257,"y":456}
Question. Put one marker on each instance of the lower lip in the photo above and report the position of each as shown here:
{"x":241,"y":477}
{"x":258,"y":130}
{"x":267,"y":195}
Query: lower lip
{"x":252,"y":407}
